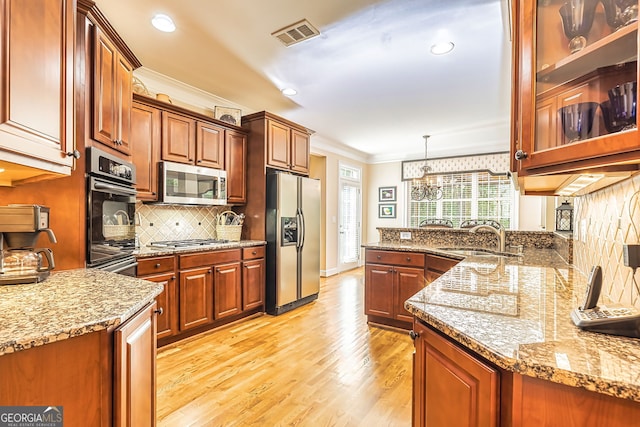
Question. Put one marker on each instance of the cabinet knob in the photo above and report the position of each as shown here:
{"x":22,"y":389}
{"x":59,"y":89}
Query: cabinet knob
{"x":408,"y":259}
{"x":157,"y":265}
{"x":379,"y":257}
{"x":75,"y":154}
{"x":208,"y":271}
{"x":153,"y":193}
{"x":391,"y":270}
{"x":159,"y":311}
{"x":253,"y":252}
{"x":521,"y":155}
{"x":173,"y":277}
{"x":199,"y":161}
{"x":413,"y":335}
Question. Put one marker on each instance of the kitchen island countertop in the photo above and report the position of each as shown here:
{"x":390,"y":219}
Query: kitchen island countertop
{"x":68,"y":304}
{"x":515,"y":312}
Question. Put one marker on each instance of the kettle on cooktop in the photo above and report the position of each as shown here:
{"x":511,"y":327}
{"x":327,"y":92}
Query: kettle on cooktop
{"x":20,"y":261}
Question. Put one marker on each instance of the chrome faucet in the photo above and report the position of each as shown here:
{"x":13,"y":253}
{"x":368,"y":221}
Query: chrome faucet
{"x":500,"y":232}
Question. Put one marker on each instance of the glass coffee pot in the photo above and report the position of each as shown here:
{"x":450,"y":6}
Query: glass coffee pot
{"x":27,"y":264}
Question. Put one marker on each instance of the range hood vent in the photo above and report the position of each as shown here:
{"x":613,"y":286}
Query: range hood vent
{"x":296,"y":33}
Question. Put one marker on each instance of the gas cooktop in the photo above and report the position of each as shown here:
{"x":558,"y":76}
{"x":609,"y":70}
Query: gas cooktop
{"x":186,"y":243}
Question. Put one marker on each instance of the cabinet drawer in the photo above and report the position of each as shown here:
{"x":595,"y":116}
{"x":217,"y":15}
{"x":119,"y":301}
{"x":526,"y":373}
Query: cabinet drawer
{"x":208,"y":258}
{"x":254,"y":252}
{"x":156,"y":265}
{"x":440,"y":264}
{"x":410,"y":259}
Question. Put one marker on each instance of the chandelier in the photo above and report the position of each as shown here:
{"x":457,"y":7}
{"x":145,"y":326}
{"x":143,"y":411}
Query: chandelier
{"x":423,"y":187}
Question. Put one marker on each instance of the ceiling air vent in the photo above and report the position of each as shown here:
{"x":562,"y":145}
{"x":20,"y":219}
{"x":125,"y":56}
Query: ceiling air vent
{"x":295,"y":33}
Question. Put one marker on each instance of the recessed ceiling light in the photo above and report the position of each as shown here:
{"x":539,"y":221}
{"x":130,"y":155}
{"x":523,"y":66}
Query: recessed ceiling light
{"x":289,"y":91}
{"x":163,"y":23}
{"x":442,"y":48}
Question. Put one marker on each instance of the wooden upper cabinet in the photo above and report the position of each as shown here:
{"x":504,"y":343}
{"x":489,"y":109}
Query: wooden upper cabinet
{"x":279,"y":145}
{"x":563,"y":93}
{"x":36,"y":115}
{"x":178,"y":138}
{"x":287,"y":147}
{"x":210,"y":145}
{"x":236,"y":166}
{"x":300,"y":150}
{"x":112,"y":94}
{"x":191,"y":141}
{"x":145,"y":149}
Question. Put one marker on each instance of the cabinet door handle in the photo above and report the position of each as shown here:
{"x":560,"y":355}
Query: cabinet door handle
{"x":75,"y":154}
{"x":159,"y":311}
{"x":413,"y":334}
{"x":521,"y":155}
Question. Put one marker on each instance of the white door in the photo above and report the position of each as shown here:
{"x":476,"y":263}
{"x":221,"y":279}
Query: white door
{"x":349,"y":225}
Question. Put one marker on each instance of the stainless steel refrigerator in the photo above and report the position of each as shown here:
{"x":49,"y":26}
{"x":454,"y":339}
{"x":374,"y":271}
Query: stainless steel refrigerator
{"x":293,"y":241}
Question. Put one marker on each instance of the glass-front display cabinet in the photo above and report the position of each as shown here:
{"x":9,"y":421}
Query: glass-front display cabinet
{"x":575,"y":79}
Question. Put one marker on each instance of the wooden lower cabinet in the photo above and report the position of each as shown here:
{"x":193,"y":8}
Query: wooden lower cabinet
{"x":437,"y":266}
{"x":135,"y":370}
{"x":162,"y":270}
{"x":196,"y":297}
{"x":227,"y":293}
{"x":205,"y":289}
{"x":450,"y":386}
{"x":104,"y":378}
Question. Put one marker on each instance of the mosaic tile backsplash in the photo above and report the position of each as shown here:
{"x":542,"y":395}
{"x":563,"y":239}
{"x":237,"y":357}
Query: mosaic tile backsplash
{"x":158,"y":222}
{"x":604,"y":221}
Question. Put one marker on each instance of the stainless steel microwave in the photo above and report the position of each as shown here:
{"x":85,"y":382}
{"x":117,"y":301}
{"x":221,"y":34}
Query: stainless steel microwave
{"x":192,"y":185}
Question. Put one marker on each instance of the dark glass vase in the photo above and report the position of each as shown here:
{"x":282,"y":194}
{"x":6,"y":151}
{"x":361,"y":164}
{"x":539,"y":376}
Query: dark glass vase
{"x":577,"y":120}
{"x":577,"y":19}
{"x":623,"y":100}
{"x":628,"y":10}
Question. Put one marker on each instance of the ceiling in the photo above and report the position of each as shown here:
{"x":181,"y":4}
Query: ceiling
{"x":367,"y":85}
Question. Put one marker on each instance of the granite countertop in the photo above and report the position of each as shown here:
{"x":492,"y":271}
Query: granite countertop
{"x":68,"y":304}
{"x":149,"y":251}
{"x":515,"y":312}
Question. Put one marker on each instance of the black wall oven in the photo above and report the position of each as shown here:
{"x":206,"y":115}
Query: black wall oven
{"x":111,"y":213}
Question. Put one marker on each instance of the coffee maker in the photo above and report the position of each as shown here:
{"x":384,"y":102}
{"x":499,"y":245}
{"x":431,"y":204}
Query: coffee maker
{"x":20,"y":261}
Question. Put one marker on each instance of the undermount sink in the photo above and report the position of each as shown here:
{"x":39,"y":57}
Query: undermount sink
{"x":478,"y":252}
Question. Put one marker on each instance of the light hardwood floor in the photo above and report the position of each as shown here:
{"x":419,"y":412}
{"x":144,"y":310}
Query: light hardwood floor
{"x":318,"y":365}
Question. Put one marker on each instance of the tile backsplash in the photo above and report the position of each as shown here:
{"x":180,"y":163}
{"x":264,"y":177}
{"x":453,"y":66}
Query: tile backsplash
{"x":604,"y":221}
{"x":161,"y":222}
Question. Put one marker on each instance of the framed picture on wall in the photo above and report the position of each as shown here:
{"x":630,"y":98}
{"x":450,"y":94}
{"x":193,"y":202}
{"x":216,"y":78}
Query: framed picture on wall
{"x":387,"y":210}
{"x":386,"y":194}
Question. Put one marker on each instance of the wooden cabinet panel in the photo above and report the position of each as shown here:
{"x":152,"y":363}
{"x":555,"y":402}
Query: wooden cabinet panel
{"x":210,"y":140}
{"x":135,"y":370}
{"x":278,"y":147}
{"x":178,"y":138}
{"x":253,"y":283}
{"x":227,"y":290}
{"x":452,"y":387}
{"x":145,"y":149}
{"x":408,"y":282}
{"x":156,"y":265}
{"x":236,"y":166}
{"x":300,"y":151}
{"x":196,"y":298}
{"x":167,"y":302}
{"x":209,"y":258}
{"x":36,"y":115}
{"x":408,"y":259}
{"x":112,"y":95}
{"x":546,"y":123}
{"x":253,"y":252}
{"x":379,"y":289}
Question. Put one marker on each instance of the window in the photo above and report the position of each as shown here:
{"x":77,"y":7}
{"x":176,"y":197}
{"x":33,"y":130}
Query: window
{"x":476,"y":195}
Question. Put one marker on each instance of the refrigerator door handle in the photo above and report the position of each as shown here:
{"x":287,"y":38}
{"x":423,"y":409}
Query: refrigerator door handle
{"x":301,"y":229}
